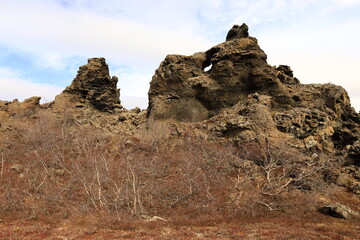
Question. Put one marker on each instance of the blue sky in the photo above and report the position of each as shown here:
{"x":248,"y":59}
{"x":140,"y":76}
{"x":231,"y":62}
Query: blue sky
{"x":43,"y":42}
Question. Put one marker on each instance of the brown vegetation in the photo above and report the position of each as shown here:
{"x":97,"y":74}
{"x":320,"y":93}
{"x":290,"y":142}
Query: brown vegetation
{"x":56,"y":172}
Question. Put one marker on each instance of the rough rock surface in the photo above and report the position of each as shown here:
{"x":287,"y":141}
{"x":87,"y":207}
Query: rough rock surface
{"x":339,"y":211}
{"x":14,"y":107}
{"x":354,"y":153}
{"x":11,"y":110}
{"x":93,"y":85}
{"x":238,"y":32}
{"x":316,"y":116}
{"x":182,"y":89}
{"x":93,"y":99}
{"x":347,"y":176}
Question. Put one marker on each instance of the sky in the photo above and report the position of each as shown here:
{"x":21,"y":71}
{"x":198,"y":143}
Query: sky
{"x":43,"y":42}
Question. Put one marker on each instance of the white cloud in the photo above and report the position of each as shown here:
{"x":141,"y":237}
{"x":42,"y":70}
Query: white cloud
{"x":50,"y":61}
{"x":137,"y":83}
{"x":13,"y":87}
{"x":47,"y":28}
{"x":346,"y":2}
{"x":131,"y":102}
{"x":7,"y":73}
{"x":355,"y":102}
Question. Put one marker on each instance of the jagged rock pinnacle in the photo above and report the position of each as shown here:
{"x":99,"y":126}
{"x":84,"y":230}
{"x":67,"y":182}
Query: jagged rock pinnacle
{"x":238,"y":32}
{"x":94,"y":84}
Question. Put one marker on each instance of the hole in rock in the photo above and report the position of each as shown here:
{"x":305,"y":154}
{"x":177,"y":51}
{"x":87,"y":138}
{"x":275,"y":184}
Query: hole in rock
{"x":208,"y":68}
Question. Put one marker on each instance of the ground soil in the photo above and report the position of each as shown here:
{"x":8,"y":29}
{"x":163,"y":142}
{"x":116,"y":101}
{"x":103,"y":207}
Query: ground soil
{"x":275,"y":227}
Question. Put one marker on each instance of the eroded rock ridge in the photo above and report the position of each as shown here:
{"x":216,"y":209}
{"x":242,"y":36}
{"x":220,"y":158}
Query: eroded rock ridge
{"x":233,"y":80}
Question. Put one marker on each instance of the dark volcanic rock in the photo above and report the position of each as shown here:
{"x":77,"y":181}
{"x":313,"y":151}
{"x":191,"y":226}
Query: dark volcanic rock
{"x":354,"y":153}
{"x":93,"y":99}
{"x":94,"y":85}
{"x":181,"y":88}
{"x":198,"y":87}
{"x":238,"y":32}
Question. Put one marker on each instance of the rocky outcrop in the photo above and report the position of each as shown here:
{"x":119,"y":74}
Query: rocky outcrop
{"x":222,"y":80}
{"x":94,"y":99}
{"x":228,"y":92}
{"x":93,"y":86}
{"x":11,"y":110}
{"x":15,"y":107}
{"x":183,"y":89}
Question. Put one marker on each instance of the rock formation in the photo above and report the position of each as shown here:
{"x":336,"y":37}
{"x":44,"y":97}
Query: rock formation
{"x":181,"y":88}
{"x":94,"y":99}
{"x":317,"y":115}
{"x":93,"y":85}
{"x":10,"y":110}
{"x":238,"y":32}
{"x":229,"y":92}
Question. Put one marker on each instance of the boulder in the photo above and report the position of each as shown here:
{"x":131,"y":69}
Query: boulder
{"x":339,"y":211}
